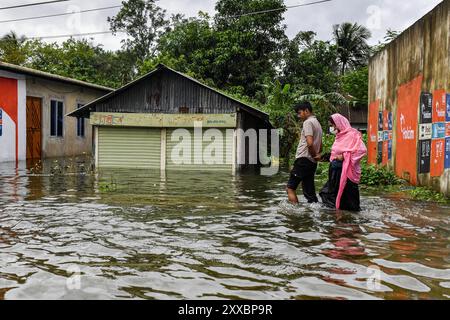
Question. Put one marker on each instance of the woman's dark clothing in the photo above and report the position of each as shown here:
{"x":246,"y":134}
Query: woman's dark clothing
{"x":350,"y":199}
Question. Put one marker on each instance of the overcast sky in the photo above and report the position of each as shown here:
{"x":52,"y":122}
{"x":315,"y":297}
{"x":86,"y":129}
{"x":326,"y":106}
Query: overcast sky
{"x":377,"y":15}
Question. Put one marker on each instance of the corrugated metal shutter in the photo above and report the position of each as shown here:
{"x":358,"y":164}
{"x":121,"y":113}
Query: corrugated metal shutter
{"x":138,"y":148}
{"x":196,"y":148}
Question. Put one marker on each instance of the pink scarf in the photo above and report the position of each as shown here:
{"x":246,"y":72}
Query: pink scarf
{"x":348,"y":143}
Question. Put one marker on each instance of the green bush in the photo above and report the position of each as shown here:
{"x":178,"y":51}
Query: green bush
{"x":426,"y":194}
{"x":375,"y":176}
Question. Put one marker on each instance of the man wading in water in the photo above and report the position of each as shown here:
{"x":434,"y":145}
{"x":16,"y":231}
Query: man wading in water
{"x":308,"y":153}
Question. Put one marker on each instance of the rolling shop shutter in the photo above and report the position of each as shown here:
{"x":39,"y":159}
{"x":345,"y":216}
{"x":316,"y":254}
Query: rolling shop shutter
{"x":195,"y":148}
{"x":134,"y":148}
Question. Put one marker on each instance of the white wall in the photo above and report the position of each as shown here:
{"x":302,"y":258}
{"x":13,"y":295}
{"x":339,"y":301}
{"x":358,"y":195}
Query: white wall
{"x":8,"y":140}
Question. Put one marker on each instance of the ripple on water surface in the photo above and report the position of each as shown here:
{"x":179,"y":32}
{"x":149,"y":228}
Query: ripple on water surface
{"x":134,"y":234}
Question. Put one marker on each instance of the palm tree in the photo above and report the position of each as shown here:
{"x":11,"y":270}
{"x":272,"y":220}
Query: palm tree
{"x":13,"y":37}
{"x":351,"y":40}
{"x":13,"y":48}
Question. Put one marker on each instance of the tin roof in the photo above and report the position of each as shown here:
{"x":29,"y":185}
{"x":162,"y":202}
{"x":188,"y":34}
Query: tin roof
{"x":90,"y":107}
{"x":45,"y":75}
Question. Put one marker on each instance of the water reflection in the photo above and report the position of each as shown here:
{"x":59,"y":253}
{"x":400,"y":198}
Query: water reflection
{"x":147,"y":235}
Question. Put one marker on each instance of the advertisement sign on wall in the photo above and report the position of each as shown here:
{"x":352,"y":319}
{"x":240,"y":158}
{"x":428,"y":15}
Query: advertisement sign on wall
{"x":447,"y":153}
{"x":385,"y":120}
{"x":387,"y":126}
{"x":390,"y":144}
{"x":437,"y":157}
{"x":425,"y":131}
{"x":380,"y":153}
{"x":385,"y":155}
{"x":439,"y":106}
{"x":438,"y":130}
{"x":390,"y":121}
{"x":447,"y":117}
{"x":424,"y":156}
{"x":426,"y":108}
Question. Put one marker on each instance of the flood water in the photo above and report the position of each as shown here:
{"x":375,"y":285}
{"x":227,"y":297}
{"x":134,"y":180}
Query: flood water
{"x":65,"y":234}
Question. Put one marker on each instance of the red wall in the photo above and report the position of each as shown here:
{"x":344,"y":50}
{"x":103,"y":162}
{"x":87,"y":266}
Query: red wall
{"x":9,"y":105}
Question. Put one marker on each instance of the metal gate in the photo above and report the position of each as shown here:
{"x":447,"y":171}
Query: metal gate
{"x":202,"y":156}
{"x":138,"y":148}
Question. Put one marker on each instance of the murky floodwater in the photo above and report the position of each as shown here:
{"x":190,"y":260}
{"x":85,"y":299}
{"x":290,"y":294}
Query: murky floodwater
{"x":201,"y":235}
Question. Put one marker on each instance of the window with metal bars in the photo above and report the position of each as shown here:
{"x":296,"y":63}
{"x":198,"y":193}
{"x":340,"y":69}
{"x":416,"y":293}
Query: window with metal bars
{"x":81,"y":124}
{"x":56,"y":118}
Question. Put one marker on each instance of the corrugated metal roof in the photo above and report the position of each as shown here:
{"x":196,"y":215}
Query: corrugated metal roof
{"x":90,"y":106}
{"x":40,"y":74}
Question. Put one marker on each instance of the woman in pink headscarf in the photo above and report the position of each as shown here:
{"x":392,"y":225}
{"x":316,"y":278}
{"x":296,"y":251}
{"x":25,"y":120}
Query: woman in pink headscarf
{"x":342,"y":191}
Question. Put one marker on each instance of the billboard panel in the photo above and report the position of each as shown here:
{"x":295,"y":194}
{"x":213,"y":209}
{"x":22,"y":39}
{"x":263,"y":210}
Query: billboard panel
{"x":447,"y":153}
{"x":424,"y":156}
{"x":439,"y":106}
{"x":437,"y":157}
{"x":426,"y":108}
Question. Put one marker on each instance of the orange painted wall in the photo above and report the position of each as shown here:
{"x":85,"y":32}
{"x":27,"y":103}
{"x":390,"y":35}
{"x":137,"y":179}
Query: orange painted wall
{"x":408,"y":96}
{"x":372,"y":142}
{"x":385,"y":159}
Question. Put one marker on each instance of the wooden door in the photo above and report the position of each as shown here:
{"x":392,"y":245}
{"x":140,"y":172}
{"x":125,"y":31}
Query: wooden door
{"x":34,"y":128}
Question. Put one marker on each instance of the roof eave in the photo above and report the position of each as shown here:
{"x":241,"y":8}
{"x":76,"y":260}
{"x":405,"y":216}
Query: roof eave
{"x":45,"y":75}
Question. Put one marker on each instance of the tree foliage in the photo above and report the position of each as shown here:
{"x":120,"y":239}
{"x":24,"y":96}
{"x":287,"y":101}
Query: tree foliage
{"x":249,"y":45}
{"x":14,"y":49}
{"x":351,"y":41}
{"x":356,"y":85}
{"x":311,"y":64}
{"x":82,"y":60}
{"x":144,"y":22}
